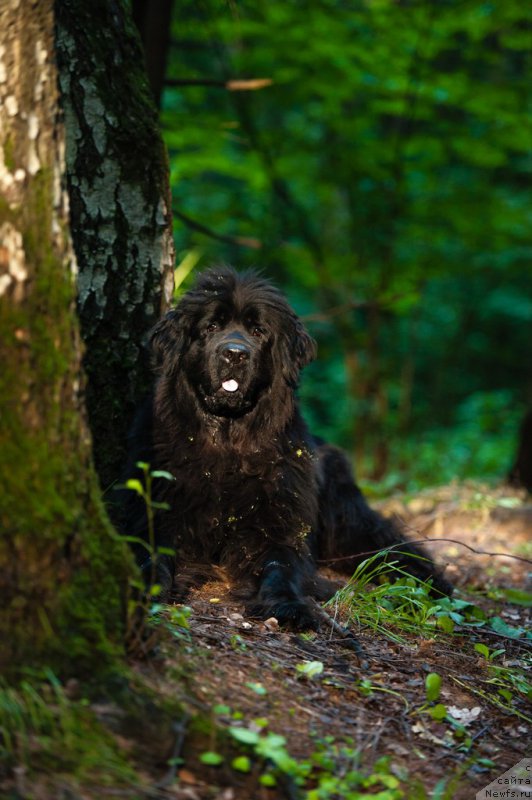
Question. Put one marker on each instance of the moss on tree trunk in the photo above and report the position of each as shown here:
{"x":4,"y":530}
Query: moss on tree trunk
{"x":63,"y":570}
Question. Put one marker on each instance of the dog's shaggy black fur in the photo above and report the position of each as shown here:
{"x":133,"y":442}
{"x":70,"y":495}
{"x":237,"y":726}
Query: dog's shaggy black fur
{"x":252,"y":491}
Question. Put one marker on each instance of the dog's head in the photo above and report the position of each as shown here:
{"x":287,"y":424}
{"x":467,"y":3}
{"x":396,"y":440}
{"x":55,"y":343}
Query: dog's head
{"x":233,"y":338}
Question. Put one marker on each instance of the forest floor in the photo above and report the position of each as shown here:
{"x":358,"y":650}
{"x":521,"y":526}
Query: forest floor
{"x":373,"y":725}
{"x":434,"y":707}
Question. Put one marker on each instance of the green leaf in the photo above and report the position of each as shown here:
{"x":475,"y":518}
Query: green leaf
{"x":432,"y":686}
{"x":267,"y":780}
{"x":258,"y":688}
{"x":241,"y":763}
{"x":500,"y":626}
{"x":244,"y":735}
{"x":165,"y":551}
{"x":210,"y":758}
{"x":518,"y":597}
{"x":438,"y":712}
{"x":310,"y":669}
{"x":446,"y":624}
{"x":135,"y":486}
{"x":482,"y":649}
{"x":458,"y":618}
{"x":221,"y":709}
{"x":138,"y":540}
{"x":161,"y":473}
{"x":486,"y":762}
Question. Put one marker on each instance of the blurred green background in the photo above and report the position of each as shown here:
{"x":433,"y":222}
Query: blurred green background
{"x":375,"y":167}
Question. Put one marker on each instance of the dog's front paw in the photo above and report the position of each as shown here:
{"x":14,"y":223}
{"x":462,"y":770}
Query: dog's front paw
{"x":441,"y":586}
{"x":294,"y":614}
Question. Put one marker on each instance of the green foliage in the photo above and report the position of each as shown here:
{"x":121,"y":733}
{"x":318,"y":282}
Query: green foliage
{"x":383,"y":174}
{"x":211,"y":759}
{"x":433,"y":686}
{"x":44,"y":731}
{"x":148,"y":619}
{"x":335,"y":768}
{"x":332,"y":770}
{"x":309,"y":669}
{"x":473,"y":446}
{"x":405,"y":608}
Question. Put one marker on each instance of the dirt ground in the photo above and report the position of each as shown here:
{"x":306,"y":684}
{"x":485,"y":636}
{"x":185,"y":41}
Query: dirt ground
{"x":239,"y":671}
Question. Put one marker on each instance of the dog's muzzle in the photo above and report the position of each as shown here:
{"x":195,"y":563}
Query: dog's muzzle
{"x":234,"y":349}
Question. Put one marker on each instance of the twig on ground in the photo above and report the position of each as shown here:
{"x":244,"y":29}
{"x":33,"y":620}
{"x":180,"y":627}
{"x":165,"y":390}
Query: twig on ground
{"x":180,"y":728}
{"x":424,"y":541}
{"x":346,"y":636}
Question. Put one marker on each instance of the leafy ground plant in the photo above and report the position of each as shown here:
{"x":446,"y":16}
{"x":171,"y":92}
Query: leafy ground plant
{"x":334,"y":769}
{"x":404,"y":608}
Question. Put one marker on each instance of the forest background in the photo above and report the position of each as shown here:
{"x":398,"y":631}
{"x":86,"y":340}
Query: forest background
{"x":371,"y":158}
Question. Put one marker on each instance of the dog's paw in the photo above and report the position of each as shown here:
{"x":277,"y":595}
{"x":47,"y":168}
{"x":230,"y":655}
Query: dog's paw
{"x":294,"y":614}
{"x":441,"y":586}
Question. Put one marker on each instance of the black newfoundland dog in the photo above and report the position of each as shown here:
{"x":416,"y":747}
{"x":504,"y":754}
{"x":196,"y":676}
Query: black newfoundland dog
{"x":252,"y":491}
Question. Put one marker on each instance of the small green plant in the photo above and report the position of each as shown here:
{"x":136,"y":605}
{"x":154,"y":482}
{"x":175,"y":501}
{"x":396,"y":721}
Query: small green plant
{"x":144,"y":489}
{"x":488,"y":654}
{"x":143,"y":612}
{"x":211,"y":759}
{"x":309,"y":669}
{"x":332,"y":771}
{"x":258,"y":688}
{"x":407,"y":607}
{"x":435,"y":710}
{"x":237,"y":642}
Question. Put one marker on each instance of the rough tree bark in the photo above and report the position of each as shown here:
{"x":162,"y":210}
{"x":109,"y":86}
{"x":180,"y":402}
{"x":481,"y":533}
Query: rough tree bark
{"x":63,"y":570}
{"x":120,"y":211}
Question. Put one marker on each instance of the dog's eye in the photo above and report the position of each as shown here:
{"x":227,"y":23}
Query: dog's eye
{"x":212,"y":326}
{"x":256,"y":330}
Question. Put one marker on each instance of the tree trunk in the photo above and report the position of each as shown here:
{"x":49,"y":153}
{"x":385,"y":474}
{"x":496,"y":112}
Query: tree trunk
{"x":154,"y":21}
{"x":63,"y":570}
{"x":120,"y":211}
{"x":521,"y":472}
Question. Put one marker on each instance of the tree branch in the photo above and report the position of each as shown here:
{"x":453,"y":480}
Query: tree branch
{"x":424,"y":541}
{"x":239,"y":241}
{"x":233,"y":85}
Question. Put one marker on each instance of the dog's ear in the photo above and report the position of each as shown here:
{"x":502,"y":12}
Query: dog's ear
{"x":305,"y":346}
{"x":167,"y":341}
{"x":298,"y":349}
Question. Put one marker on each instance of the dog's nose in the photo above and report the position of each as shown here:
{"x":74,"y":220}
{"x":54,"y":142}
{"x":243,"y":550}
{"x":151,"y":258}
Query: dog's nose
{"x":234,"y":352}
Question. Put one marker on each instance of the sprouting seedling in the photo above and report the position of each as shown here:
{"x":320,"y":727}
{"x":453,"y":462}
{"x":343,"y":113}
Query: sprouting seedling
{"x":488,"y":654}
{"x":432,"y":692}
{"x":144,"y":488}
